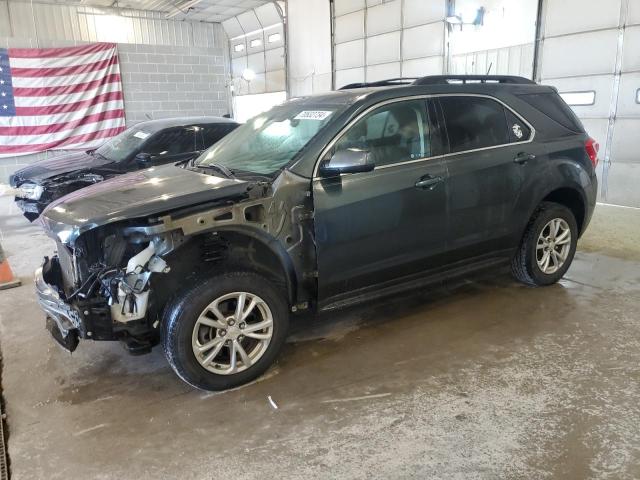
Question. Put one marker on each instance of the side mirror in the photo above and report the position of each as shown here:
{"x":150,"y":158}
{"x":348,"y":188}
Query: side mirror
{"x":143,"y":159}
{"x":351,"y":160}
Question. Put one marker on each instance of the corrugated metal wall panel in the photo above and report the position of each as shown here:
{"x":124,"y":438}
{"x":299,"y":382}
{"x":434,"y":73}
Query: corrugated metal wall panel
{"x":383,"y":39}
{"x":46,"y":23}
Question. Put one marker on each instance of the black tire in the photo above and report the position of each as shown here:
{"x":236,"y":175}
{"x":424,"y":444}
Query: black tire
{"x":524,"y":265}
{"x":181,"y":314}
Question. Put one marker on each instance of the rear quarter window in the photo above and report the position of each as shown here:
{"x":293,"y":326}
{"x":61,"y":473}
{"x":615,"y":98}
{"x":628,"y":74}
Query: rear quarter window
{"x":552,"y":106}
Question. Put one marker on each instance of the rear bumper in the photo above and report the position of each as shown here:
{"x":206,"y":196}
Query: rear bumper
{"x":591,"y":193}
{"x":65,"y":316}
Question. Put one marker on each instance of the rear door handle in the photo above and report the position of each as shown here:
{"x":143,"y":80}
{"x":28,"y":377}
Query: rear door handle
{"x":522,"y":158}
{"x":428,"y":182}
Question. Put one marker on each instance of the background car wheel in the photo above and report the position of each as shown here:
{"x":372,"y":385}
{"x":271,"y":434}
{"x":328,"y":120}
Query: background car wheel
{"x":225,"y":330}
{"x":547,"y":247}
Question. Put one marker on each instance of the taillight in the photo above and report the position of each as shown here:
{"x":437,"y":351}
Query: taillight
{"x":592,"y":147}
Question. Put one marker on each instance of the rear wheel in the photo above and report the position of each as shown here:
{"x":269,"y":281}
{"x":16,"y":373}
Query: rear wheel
{"x":225,"y":331}
{"x":547,"y":247}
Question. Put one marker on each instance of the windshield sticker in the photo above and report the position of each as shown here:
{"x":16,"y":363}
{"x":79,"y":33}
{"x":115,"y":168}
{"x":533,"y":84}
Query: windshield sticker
{"x":313,"y":115}
{"x":141,"y":135}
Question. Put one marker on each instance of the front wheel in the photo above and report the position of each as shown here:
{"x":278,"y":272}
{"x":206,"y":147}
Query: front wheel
{"x":547,"y":247}
{"x":225,"y":331}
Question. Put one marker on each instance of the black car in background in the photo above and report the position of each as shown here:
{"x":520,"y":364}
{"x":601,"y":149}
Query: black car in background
{"x":144,"y":145}
{"x":319,"y":203}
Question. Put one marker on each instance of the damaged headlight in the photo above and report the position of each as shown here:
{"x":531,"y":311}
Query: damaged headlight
{"x":30,"y":191}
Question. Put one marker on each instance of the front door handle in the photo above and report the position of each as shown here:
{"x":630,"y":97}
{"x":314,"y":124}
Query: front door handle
{"x":523,"y":157}
{"x":428,"y":182}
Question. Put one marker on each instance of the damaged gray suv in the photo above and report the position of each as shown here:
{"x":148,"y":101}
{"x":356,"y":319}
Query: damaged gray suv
{"x":319,"y":203}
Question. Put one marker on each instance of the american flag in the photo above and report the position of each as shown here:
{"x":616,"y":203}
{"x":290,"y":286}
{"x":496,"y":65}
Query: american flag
{"x":59,"y":98}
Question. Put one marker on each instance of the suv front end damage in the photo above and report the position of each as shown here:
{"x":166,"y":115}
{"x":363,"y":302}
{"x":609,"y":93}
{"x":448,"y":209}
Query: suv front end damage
{"x":111,"y":281}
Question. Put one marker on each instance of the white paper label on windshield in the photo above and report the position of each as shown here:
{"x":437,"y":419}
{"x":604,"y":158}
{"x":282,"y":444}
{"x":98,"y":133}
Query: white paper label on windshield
{"x":141,"y":135}
{"x":313,"y":115}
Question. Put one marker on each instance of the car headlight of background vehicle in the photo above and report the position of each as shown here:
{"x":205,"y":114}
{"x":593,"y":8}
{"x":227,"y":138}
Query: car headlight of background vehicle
{"x":30,"y":191}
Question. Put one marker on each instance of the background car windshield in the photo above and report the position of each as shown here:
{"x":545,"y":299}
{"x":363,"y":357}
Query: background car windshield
{"x":119,"y":148}
{"x":268,"y":142}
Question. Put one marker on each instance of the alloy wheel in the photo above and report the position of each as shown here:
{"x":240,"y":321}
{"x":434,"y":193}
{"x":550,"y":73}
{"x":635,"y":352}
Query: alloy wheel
{"x":232,"y":333}
{"x":553,"y":245}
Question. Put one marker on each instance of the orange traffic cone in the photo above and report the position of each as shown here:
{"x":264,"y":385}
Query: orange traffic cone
{"x":7,"y":280}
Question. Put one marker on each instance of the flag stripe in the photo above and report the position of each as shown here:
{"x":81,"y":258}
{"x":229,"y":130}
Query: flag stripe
{"x":69,"y":107}
{"x":62,"y":71}
{"x":62,"y":135}
{"x":59,"y":98}
{"x":63,"y":89}
{"x":68,"y":98}
{"x":59,"y":52}
{"x":57,"y":62}
{"x":26,"y":121}
{"x":73,"y":140}
{"x":34,"y":82}
{"x":59,"y":127}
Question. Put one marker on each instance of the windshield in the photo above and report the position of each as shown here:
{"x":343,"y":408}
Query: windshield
{"x":269,"y":141}
{"x":120,"y":147}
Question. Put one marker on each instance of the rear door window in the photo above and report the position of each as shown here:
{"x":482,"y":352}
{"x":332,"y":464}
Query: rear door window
{"x":474,"y":122}
{"x":552,"y":105}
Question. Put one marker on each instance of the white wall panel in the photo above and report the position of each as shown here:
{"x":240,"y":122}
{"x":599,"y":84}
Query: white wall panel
{"x":268,"y":15}
{"x":258,"y":84}
{"x":631,"y":52}
{"x":628,"y":105}
{"x":633,"y":13}
{"x":349,"y":27}
{"x":77,"y":23}
{"x":256,"y":62}
{"x":419,"y":12}
{"x":423,"y":41}
{"x":602,"y":86}
{"x":383,"y":48}
{"x":622,"y":183}
{"x":349,"y":55}
{"x":625,"y":141}
{"x":589,"y":53}
{"x":382,"y":71}
{"x":420,"y":67}
{"x":346,"y":6}
{"x":309,"y":46}
{"x":249,"y":21}
{"x":401,"y":37}
{"x":353,"y":75}
{"x":275,"y":80}
{"x":274,"y":59}
{"x":384,"y":18}
{"x":571,"y":16}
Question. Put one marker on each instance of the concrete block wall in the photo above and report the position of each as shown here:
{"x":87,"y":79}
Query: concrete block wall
{"x":166,"y":81}
{"x":159,"y":81}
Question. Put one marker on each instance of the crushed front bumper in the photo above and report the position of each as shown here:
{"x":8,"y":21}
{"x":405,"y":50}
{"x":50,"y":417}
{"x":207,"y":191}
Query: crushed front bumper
{"x":64,"y":317}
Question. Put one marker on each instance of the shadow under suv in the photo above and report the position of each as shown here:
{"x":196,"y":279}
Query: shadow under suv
{"x":319,"y":203}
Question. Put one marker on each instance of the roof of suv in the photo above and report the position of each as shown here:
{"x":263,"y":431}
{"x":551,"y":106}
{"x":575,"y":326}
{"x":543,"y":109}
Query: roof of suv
{"x":440,"y":84}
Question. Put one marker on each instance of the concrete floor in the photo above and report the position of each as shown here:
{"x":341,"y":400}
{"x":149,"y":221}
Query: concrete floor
{"x":482,"y":379}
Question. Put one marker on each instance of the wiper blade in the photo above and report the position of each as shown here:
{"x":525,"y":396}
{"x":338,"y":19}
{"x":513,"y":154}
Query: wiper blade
{"x":220,"y":168}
